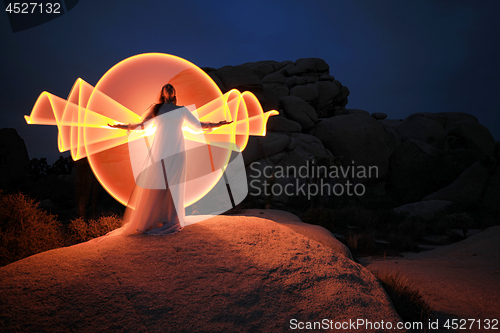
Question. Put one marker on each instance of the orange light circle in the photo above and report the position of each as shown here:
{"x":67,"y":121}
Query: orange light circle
{"x":135,"y":83}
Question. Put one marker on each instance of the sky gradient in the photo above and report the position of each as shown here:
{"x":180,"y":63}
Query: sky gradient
{"x":396,"y":57}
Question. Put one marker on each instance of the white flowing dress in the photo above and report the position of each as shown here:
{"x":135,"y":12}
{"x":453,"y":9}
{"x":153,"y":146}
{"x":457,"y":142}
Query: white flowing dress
{"x":156,"y":205}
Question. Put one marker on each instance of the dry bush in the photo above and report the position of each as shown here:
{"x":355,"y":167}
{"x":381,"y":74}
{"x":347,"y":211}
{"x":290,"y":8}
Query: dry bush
{"x":462,"y":221}
{"x":80,"y":230}
{"x":407,"y":300}
{"x":359,"y":242}
{"x":352,"y":241}
{"x":25,"y":229}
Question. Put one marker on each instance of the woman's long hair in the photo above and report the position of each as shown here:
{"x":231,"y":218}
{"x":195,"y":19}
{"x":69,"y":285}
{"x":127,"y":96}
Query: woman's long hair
{"x":167,"y":95}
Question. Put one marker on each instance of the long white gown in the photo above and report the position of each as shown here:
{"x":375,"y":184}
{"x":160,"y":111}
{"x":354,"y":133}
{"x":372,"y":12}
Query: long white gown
{"x":157,"y":202}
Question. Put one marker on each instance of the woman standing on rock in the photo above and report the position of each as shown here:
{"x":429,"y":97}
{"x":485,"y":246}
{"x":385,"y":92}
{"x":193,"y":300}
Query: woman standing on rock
{"x":156,"y":205}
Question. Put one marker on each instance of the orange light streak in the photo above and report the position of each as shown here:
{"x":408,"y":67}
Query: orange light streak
{"x":123,"y":95}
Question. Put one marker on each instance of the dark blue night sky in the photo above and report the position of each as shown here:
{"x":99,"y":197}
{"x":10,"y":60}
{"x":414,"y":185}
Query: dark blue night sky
{"x":397,"y":57}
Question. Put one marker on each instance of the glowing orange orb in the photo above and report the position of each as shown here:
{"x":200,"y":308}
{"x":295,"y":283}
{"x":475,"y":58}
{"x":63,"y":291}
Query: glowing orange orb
{"x":135,"y":83}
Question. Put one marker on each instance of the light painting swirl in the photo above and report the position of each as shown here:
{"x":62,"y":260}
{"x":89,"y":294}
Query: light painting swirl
{"x":123,"y":95}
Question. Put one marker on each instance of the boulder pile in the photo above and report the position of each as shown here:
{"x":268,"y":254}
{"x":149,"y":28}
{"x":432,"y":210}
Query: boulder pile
{"x":426,"y":156}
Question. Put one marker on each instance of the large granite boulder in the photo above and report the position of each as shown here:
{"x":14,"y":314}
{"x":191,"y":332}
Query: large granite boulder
{"x":417,"y":169}
{"x":300,"y":111}
{"x":327,"y":91}
{"x":272,"y":93}
{"x":262,"y":68}
{"x":353,"y":111}
{"x":282,"y":168}
{"x":358,"y":138}
{"x":217,"y":80}
{"x":476,"y":185}
{"x":392,"y":138}
{"x":307,"y":92}
{"x":309,"y":143}
{"x":293,"y":81}
{"x":402,"y":164}
{"x":449,"y":120}
{"x":448,"y":130}
{"x":274,"y":78}
{"x":239,"y":77}
{"x":262,"y":146}
{"x":422,"y":128}
{"x":283,"y":124}
{"x":425,"y":210}
{"x":379,"y":115}
{"x":292,"y":149}
{"x":307,"y":66}
{"x":226,"y":274}
{"x":471,"y":135}
{"x":411,"y":152}
{"x":265,"y":67}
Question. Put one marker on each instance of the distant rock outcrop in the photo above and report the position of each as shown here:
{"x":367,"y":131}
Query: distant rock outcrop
{"x":358,"y":138}
{"x":414,"y":157}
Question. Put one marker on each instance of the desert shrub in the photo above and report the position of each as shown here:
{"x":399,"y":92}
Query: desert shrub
{"x":24,"y":229}
{"x":462,"y":221}
{"x":360,"y":242}
{"x":407,"y":300}
{"x":428,"y":175}
{"x":80,"y":230}
{"x":352,"y":240}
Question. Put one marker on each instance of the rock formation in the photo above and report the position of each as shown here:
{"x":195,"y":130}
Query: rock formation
{"x":414,"y":157}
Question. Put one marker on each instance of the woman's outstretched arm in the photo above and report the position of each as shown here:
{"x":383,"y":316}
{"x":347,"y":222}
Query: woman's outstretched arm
{"x":205,"y":125}
{"x":149,"y":115}
{"x":127,"y":126}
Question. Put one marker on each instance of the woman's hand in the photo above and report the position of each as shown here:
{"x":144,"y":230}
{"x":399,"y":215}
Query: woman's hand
{"x":223,"y":122}
{"x":219,"y":124}
{"x":209,"y":127}
{"x":122,"y":126}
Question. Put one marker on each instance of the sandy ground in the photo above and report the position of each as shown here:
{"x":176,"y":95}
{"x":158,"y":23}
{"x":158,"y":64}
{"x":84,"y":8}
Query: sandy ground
{"x":226,"y":274}
{"x":461,"y":280}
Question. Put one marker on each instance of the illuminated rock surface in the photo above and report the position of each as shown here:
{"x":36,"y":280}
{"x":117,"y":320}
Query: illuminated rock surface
{"x":458,"y":280}
{"x":227,"y":274}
